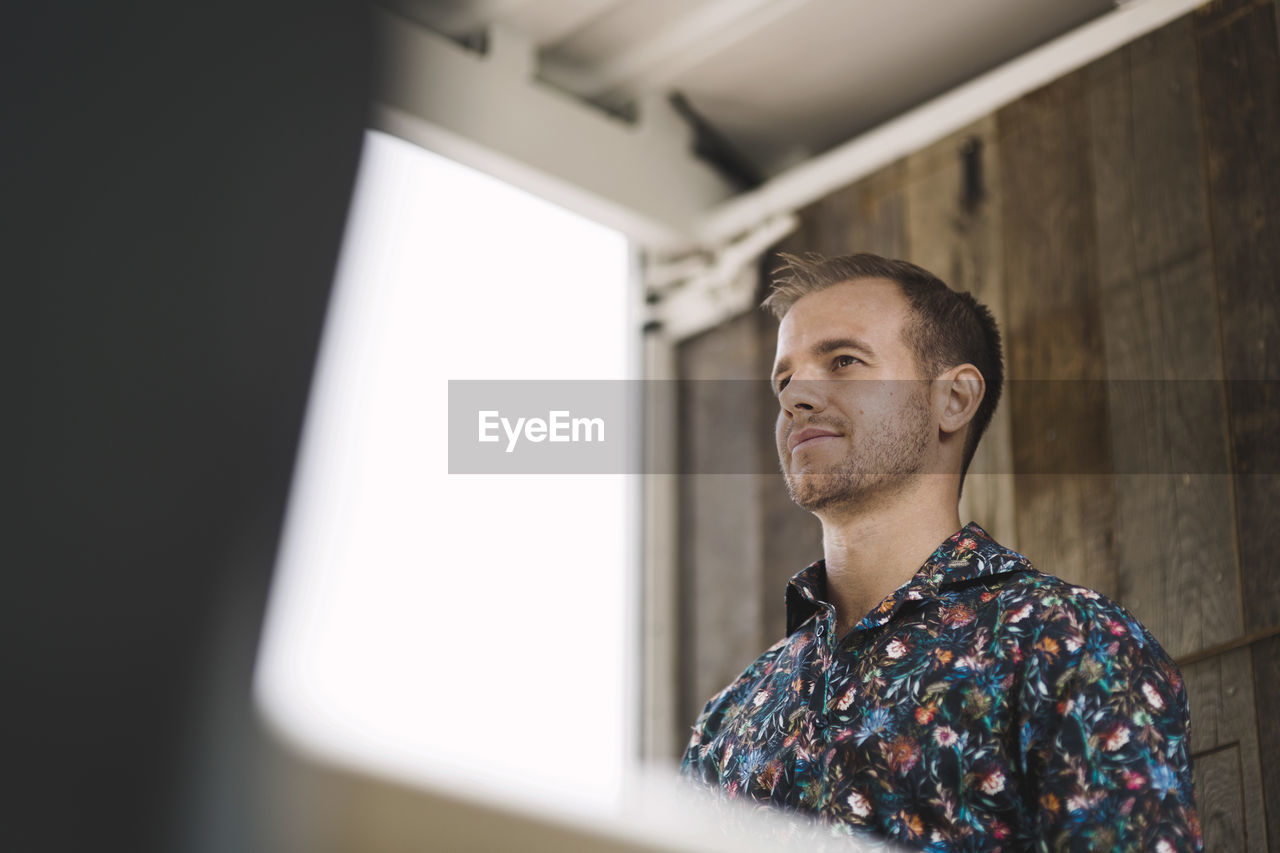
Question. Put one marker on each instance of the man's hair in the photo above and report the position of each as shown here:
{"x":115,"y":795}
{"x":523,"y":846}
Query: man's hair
{"x":947,"y":328}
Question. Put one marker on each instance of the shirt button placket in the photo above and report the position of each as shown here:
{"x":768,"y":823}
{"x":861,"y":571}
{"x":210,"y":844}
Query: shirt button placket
{"x":824,"y":674}
{"x":821,"y":726}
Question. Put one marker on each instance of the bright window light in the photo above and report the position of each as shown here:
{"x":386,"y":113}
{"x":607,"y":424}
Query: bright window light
{"x":470,"y":632}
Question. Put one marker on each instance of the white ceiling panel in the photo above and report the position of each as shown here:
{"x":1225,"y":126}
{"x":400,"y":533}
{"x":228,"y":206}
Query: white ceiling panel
{"x":834,"y":68}
{"x":779,"y":80}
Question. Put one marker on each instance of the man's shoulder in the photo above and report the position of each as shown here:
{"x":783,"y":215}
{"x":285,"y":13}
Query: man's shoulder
{"x":1047,"y":595}
{"x":1066,"y":625}
{"x":1011,"y":578}
{"x":1015,"y":590}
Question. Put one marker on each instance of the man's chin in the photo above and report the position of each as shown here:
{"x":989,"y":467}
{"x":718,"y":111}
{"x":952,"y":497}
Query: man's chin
{"x":819,"y":493}
{"x":815,"y":492}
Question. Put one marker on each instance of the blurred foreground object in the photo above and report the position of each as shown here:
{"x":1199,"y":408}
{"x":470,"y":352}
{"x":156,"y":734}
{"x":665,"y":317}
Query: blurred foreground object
{"x":320,"y":807}
{"x":176,"y":180}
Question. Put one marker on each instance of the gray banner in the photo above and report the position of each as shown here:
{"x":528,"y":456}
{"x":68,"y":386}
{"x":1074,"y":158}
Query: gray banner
{"x":1062,"y":427}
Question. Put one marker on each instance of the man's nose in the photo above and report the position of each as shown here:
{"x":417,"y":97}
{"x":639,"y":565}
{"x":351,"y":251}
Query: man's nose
{"x":802,"y":395}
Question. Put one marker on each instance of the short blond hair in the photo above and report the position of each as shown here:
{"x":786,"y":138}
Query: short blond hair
{"x":947,"y":328}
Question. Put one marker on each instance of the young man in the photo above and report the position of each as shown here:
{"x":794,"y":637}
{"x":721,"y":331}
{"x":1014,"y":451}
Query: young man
{"x":934,"y":688}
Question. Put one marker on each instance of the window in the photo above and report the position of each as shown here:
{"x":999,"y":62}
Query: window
{"x":464,"y":631}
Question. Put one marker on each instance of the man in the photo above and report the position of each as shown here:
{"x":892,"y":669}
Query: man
{"x":933,"y":688}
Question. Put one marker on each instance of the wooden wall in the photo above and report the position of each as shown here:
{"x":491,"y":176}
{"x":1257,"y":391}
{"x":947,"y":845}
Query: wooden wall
{"x":1123,"y":223}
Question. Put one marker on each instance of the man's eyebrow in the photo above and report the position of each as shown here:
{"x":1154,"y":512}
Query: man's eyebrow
{"x":826,"y":346}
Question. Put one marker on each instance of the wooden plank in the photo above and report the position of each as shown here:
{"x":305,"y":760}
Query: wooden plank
{"x":1065,"y":520}
{"x":1266,"y":680}
{"x":719,"y":529}
{"x":1239,"y":64}
{"x":1223,"y":716}
{"x":953,"y":230}
{"x":1220,"y":801}
{"x":866,"y":216}
{"x":1175,"y":555}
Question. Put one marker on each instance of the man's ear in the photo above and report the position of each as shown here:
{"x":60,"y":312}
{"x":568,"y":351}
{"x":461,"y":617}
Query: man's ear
{"x":957,"y":395}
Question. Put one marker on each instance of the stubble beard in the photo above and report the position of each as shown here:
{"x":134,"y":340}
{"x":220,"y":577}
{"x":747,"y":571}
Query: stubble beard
{"x":876,"y":469}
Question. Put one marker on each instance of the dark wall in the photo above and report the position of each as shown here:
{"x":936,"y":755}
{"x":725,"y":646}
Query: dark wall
{"x":175,"y":180}
{"x":1124,"y":225}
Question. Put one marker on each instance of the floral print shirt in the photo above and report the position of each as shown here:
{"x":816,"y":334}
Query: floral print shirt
{"x":983,"y":706}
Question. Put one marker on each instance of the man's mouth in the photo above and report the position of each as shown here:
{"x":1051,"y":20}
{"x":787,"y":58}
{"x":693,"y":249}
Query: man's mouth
{"x":809,"y":435}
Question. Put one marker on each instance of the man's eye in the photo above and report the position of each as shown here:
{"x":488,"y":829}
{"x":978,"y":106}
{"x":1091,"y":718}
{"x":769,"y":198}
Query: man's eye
{"x":782,"y":383}
{"x":845,"y":360}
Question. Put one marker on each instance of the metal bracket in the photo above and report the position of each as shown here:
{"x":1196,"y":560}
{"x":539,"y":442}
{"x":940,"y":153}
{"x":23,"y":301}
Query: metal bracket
{"x":696,"y":292}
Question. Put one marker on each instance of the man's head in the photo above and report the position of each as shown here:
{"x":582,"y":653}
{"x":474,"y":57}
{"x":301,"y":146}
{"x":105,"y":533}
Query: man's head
{"x":919,"y":330}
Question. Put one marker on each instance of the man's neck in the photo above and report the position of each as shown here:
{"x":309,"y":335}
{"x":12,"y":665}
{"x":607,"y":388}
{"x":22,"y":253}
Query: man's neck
{"x":874,"y":551}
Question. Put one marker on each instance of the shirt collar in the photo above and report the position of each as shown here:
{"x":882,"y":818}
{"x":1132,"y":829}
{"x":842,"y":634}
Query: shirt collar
{"x":968,"y":554}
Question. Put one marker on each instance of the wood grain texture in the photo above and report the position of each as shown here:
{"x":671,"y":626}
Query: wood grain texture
{"x":1239,"y":64}
{"x":866,"y":216}
{"x":953,"y":230}
{"x":1175,"y":553}
{"x":1223,"y":716}
{"x":719,"y":513}
{"x":1266,"y":680}
{"x":1065,"y":520}
{"x":1221,"y":801}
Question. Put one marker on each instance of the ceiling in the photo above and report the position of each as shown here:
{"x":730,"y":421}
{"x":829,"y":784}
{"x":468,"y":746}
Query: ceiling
{"x":769,"y":83}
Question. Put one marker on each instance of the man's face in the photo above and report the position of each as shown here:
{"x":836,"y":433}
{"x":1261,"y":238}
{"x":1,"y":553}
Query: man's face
{"x":845,"y":445}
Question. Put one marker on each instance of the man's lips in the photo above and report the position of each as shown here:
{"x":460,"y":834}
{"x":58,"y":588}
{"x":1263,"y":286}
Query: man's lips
{"x":807,"y":434}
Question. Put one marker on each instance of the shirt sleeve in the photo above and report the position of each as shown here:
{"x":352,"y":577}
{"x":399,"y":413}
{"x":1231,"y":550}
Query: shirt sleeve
{"x":1105,"y":736}
{"x":697,"y":765}
{"x":689,"y":763}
